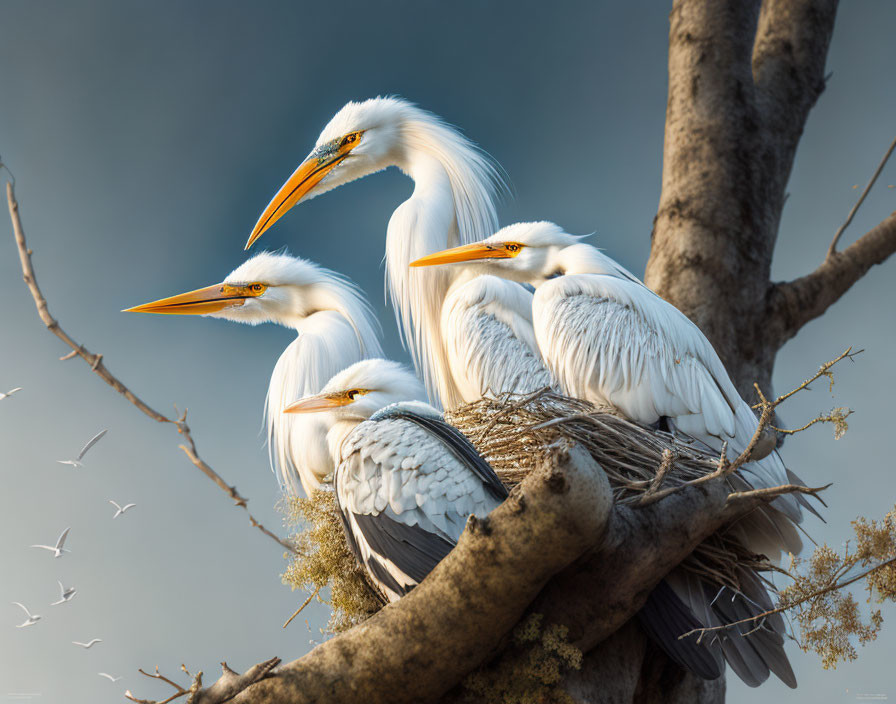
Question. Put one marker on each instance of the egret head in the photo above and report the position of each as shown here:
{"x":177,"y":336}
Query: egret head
{"x":526,"y":251}
{"x":360,"y":139}
{"x":362,"y":389}
{"x":266,"y":288}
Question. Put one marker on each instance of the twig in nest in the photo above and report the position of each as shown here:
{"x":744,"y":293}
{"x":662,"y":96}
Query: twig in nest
{"x":95,"y":361}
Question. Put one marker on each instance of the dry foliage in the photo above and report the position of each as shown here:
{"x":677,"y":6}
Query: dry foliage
{"x":532,"y":677}
{"x":829,"y":617}
{"x":324,"y":565}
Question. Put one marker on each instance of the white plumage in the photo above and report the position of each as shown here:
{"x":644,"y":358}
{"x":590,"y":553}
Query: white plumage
{"x":335,"y":327}
{"x":452,"y":203}
{"x":405,"y":481}
{"x":608,"y":339}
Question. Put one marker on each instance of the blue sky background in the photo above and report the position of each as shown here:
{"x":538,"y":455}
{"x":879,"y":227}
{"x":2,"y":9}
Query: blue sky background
{"x":147,"y":137}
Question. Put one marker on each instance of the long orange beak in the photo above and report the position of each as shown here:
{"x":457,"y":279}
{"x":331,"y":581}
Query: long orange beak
{"x":315,"y":404}
{"x":310,"y":172}
{"x":464,"y":253}
{"x":202,"y":301}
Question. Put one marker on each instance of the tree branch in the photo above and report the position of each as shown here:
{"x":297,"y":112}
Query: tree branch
{"x":95,"y":361}
{"x":788,"y":69}
{"x":785,"y":607}
{"x":793,"y":304}
{"x":832,"y":249}
{"x":416,"y":649}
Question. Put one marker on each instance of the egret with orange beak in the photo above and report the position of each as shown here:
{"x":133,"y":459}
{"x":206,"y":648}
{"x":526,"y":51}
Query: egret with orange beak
{"x":335,"y":328}
{"x":610,"y":340}
{"x":405,"y":480}
{"x":460,"y":347}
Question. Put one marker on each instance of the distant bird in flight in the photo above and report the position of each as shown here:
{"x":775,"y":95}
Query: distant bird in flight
{"x":335,"y":328}
{"x":89,"y":644}
{"x":120,"y":509}
{"x":405,"y":480}
{"x":32,"y":618}
{"x":10,"y":393}
{"x":460,"y":347}
{"x":66,"y":594}
{"x":57,"y":549}
{"x":90,"y":443}
{"x":108,"y":676}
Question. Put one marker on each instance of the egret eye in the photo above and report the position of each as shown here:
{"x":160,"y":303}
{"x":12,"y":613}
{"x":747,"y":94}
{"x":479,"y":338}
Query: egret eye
{"x":512,"y":247}
{"x":350,"y":138}
{"x":352,"y":393}
{"x":257,"y":288}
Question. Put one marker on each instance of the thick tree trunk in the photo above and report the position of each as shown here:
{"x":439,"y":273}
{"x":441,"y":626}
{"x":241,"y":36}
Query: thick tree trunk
{"x":742,"y":79}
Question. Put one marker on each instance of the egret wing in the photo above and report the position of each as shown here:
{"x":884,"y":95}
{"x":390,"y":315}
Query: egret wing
{"x":487,"y":328}
{"x":90,"y":443}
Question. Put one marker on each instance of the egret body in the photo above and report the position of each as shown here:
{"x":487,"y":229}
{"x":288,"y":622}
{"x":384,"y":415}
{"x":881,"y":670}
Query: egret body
{"x":463,"y":345}
{"x":335,"y":328}
{"x":405,"y":480}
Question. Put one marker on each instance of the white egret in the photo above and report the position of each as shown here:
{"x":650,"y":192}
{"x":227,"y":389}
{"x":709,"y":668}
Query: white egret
{"x":90,"y":443}
{"x":65,"y":594}
{"x":462,"y":343}
{"x":9,"y":393}
{"x":58,"y":548}
{"x":89,"y":644}
{"x":405,"y":480}
{"x":32,"y":618}
{"x":108,"y":676}
{"x":120,"y":509}
{"x":335,"y":327}
{"x":609,"y":339}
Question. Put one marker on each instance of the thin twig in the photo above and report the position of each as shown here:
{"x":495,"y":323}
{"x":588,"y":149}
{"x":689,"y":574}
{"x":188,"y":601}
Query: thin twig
{"x":299,"y":610}
{"x":95,"y":361}
{"x":832,"y":249}
{"x":178,"y":690}
{"x":786,"y":607}
{"x":514,"y":407}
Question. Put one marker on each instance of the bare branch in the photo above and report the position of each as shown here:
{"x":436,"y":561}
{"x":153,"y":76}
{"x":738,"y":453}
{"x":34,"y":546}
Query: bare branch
{"x":232,"y":683}
{"x":178,"y":690}
{"x":96,"y":364}
{"x":832,"y":249}
{"x":786,"y":607}
{"x":794,"y":303}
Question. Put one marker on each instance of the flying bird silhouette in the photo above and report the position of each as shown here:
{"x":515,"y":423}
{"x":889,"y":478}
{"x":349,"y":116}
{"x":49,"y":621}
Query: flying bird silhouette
{"x":32,"y":618}
{"x":108,"y":676}
{"x":89,"y":644}
{"x":57,"y":549}
{"x":121,"y":509}
{"x":10,"y":392}
{"x":67,"y":594}
{"x":90,"y":443}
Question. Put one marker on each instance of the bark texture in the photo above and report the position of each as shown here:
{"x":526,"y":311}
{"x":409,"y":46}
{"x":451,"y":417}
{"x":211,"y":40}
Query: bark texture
{"x":743,"y":76}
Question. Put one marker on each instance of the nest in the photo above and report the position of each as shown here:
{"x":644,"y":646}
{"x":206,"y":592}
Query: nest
{"x":513,"y":433}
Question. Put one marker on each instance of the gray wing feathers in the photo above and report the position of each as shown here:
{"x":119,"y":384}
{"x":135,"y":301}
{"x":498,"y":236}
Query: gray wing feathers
{"x":405,"y":486}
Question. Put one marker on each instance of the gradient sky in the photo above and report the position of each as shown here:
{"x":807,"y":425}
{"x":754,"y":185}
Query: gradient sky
{"x":147,"y":137}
